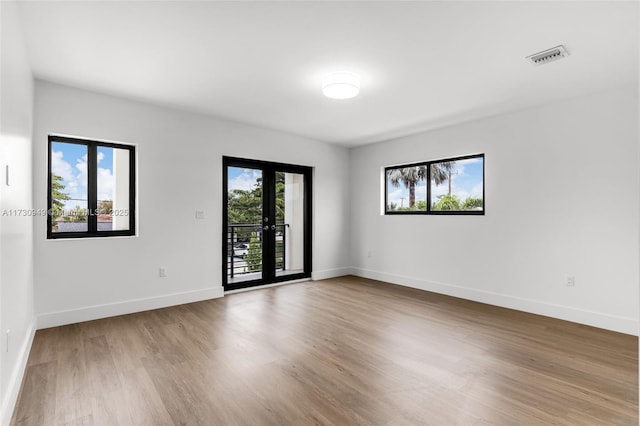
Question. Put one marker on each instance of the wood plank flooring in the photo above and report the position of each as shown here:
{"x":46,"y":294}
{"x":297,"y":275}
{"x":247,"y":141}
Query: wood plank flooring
{"x":346,"y":351}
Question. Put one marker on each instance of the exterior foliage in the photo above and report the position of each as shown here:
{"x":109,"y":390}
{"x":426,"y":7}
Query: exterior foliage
{"x":439,"y":173}
{"x":254,"y":256}
{"x":472,"y":203}
{"x":446,"y":203}
{"x":58,"y":197}
{"x":245,"y":208}
{"x":409,"y":177}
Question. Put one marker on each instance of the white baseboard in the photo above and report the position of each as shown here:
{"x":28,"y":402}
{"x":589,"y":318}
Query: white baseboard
{"x":54,"y":319}
{"x":15,"y":378}
{"x":330,"y":273}
{"x":581,"y":316}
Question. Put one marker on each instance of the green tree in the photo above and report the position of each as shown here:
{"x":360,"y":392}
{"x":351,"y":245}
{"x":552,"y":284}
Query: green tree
{"x":447,"y":203}
{"x":254,"y":254}
{"x":79,"y":214}
{"x":471,"y":203}
{"x":280,"y":197}
{"x":105,"y":206}
{"x":279,"y":254}
{"x":58,"y":197}
{"x":409,"y":177}
{"x":245,"y":207}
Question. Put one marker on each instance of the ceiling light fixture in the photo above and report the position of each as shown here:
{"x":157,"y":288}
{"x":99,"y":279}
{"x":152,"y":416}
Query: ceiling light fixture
{"x":341,"y":85}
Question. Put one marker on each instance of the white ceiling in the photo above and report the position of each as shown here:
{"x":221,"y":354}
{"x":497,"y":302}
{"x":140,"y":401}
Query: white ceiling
{"x":423,"y":64}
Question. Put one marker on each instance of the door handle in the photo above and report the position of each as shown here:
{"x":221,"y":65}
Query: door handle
{"x":266,"y":227}
{"x":273,"y":227}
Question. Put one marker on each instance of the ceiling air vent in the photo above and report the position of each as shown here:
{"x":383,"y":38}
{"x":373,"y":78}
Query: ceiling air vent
{"x":548,"y":55}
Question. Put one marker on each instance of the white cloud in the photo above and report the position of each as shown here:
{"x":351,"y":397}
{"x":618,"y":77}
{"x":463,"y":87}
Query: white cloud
{"x":246,"y":181}
{"x":75,"y":187}
{"x":396,"y":196}
{"x":458,"y":169}
{"x":60,"y":167}
{"x":471,"y":160}
{"x":81,"y":165}
{"x":441,"y":189}
{"x":459,"y":191}
{"x":477,"y":190}
{"x":106,"y":184}
{"x":75,"y":179}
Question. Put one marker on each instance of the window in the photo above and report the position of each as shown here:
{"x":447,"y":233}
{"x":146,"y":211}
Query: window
{"x":91,"y":191}
{"x":449,"y":186}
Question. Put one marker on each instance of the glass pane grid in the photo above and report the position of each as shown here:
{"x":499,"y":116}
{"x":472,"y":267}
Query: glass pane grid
{"x":250,"y":247}
{"x":90,"y":188}
{"x":455,"y":186}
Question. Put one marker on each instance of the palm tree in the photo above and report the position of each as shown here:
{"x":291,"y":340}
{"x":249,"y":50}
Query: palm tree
{"x":409,"y":177}
{"x":441,"y":172}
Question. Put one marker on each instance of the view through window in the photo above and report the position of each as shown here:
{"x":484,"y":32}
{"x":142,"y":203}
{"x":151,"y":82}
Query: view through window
{"x":91,"y":188}
{"x":449,"y":186}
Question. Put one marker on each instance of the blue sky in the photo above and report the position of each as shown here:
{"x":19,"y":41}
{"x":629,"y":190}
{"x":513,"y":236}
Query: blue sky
{"x":69,"y":161}
{"x":466,"y":180}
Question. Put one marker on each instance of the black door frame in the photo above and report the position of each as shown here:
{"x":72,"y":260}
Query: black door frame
{"x":268,"y":209}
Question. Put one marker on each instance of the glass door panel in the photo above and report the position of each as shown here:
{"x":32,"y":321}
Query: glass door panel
{"x":289,"y":237}
{"x":244,"y":224}
{"x":266,"y":223}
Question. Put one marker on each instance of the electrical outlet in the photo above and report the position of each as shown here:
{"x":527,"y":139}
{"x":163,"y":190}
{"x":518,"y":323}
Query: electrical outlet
{"x":369,"y":254}
{"x":199,"y":214}
{"x":570,"y":281}
{"x":162,"y":272}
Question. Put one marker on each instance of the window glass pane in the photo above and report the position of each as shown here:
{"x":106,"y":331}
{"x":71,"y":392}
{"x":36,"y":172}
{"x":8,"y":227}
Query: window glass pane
{"x":90,"y":188}
{"x":113,"y":189}
{"x":457,"y":185}
{"x":290,"y":204}
{"x":406,"y":189}
{"x":68,"y":187}
{"x":244,"y":233}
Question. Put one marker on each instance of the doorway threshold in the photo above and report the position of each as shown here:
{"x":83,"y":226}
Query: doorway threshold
{"x":259,"y":287}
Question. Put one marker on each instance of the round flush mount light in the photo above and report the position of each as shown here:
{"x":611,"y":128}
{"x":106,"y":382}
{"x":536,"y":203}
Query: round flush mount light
{"x":341,"y":85}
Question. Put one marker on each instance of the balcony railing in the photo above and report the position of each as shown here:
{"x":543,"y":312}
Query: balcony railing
{"x":245,"y":245}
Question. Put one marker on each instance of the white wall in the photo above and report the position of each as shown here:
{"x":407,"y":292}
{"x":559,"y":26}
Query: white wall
{"x":179,"y":170}
{"x":16,"y":244}
{"x":561,"y":197}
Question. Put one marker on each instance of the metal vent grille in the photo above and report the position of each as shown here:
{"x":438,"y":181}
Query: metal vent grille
{"x":548,"y":55}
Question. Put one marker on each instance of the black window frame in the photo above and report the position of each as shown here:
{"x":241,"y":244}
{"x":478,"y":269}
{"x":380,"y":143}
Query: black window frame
{"x":92,"y":189}
{"x":428,"y":211}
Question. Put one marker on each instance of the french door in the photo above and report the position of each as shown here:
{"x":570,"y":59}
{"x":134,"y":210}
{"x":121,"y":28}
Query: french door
{"x":266,"y":222}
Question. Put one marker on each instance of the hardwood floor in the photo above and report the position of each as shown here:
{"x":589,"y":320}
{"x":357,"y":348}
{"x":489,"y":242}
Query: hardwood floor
{"x":345,"y":351}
